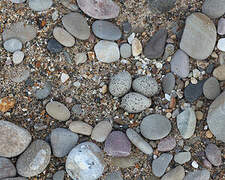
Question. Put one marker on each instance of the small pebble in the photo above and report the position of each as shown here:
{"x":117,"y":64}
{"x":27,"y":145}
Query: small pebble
{"x":198,"y":175}
{"x":12,"y":45}
{"x":80,"y":58}
{"x":63,"y":37}
{"x":166,"y":144}
{"x":54,"y":46}
{"x":221,"y":44}
{"x":125,"y":50}
{"x":101,"y":131}
{"x":7,"y":168}
{"x":221,"y":26}
{"x":18,"y":57}
{"x":136,"y":47}
{"x":211,"y":88}
{"x":59,"y":175}
{"x":81,"y":127}
{"x":213,"y":154}
{"x":219,"y":72}
{"x":177,"y":173}
{"x":131,"y":38}
{"x":182,"y":157}
{"x":64,"y":77}
{"x":194,"y":164}
{"x":126,"y":27}
{"x":168,"y":83}
{"x":40,"y":5}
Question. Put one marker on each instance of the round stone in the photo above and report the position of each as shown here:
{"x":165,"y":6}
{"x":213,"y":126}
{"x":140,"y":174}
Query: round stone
{"x":211,"y":88}
{"x":85,"y":161}
{"x":221,"y":44}
{"x":166,"y":144}
{"x":106,"y":30}
{"x":18,"y":57}
{"x":58,"y":111}
{"x":40,"y":5}
{"x":168,"y":83}
{"x":136,"y":47}
{"x":198,"y":175}
{"x":213,"y":8}
{"x":101,"y":131}
{"x":219,"y":72}
{"x":12,"y":45}
{"x":76,"y":25}
{"x":54,"y":46}
{"x":213,"y":154}
{"x":81,"y":127}
{"x":177,"y":173}
{"x":182,"y":157}
{"x":155,"y":127}
{"x":63,"y":37}
{"x":13,"y":140}
{"x":125,"y":50}
{"x":7,"y":169}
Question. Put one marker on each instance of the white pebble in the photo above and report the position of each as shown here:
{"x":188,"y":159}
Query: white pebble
{"x":131,"y":38}
{"x":18,"y":57}
{"x":167,"y":96}
{"x":154,"y":156}
{"x":221,"y":44}
{"x":205,"y":127}
{"x":194,"y":164}
{"x":77,"y":84}
{"x":159,"y":65}
{"x":196,"y":73}
{"x":64,"y":77}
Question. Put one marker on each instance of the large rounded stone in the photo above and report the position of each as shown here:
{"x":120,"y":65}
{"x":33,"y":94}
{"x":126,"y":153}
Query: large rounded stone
{"x":219,"y":72}
{"x":7,"y":169}
{"x":40,"y":5}
{"x":213,"y":8}
{"x":13,"y":139}
{"x":63,"y":37}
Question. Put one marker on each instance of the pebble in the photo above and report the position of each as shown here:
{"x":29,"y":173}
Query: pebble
{"x":161,"y":6}
{"x":70,"y":6}
{"x":198,"y":175}
{"x":85,"y":161}
{"x":199,"y":36}
{"x":77,"y":110}
{"x":80,"y":58}
{"x":213,"y":154}
{"x":145,"y":85}
{"x":136,"y":47}
{"x":155,"y":127}
{"x":194,"y":164}
{"x":58,"y":111}
{"x":107,"y":51}
{"x":131,"y":38}
{"x":155,"y":46}
{"x":211,"y":88}
{"x":18,"y":57}
{"x":199,"y":115}
{"x":15,"y":178}
{"x":176,"y":173}
{"x":168,"y":83}
{"x":19,"y":74}
{"x":106,"y":30}
{"x":135,"y":102}
{"x":207,"y":164}
{"x":101,"y":131}
{"x":126,"y":27}
{"x":221,"y":44}
{"x":221,"y":26}
{"x":54,"y":46}
{"x":125,"y":162}
{"x":76,"y":25}
{"x":180,"y":64}
{"x":160,"y":164}
{"x":182,"y":157}
{"x":169,"y":50}
{"x":44,"y":92}
{"x":55,"y":15}
{"x":9,"y":145}
{"x":114,"y":176}
{"x":62,"y":141}
{"x":219,"y":72}
{"x":12,"y":45}
{"x":120,"y":84}
{"x":40,"y":5}
{"x":106,"y":9}
{"x":64,"y":77}
{"x":125,"y":50}
{"x":139,"y":142}
{"x":59,"y":175}
{"x":193,"y":91}
{"x":81,"y":127}
{"x":34,"y":160}
{"x":7,"y":169}
{"x":213,"y":8}
{"x":63,"y":37}
{"x":17,"y":1}
{"x":186,"y":123}
{"x":210,"y":69}
{"x":166,"y":144}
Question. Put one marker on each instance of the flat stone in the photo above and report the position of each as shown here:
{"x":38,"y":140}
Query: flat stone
{"x":176,"y":173}
{"x":180,"y":64}
{"x":125,"y":162}
{"x":40,"y":5}
{"x":198,"y":175}
{"x":136,"y":47}
{"x":106,"y":30}
{"x":193,"y":91}
{"x":155,"y":127}
{"x":62,"y":141}
{"x":101,"y":9}
{"x":18,"y":57}
{"x":81,"y":127}
{"x":138,"y":141}
{"x":213,"y":8}
{"x":63,"y":37}
{"x":161,"y":6}
{"x":166,"y":144}
{"x":7,"y":169}
{"x":186,"y":123}
{"x":219,"y":72}
{"x":213,"y":154}
{"x":13,"y":140}
{"x":145,"y":85}
{"x":101,"y":131}
{"x":18,"y":1}
{"x":44,"y":92}
{"x":107,"y":51}
{"x":59,"y":175}
{"x":76,"y":25}
{"x":125,"y":50}
{"x":160,"y":164}
{"x":116,"y":175}
{"x":168,"y":83}
{"x":12,"y":45}
{"x":155,"y":46}
{"x":85,"y":161}
{"x":34,"y":160}
{"x":135,"y":102}
{"x":80,"y":58}
{"x":182,"y":157}
{"x":120,"y":84}
{"x":211,"y":88}
{"x":54,"y":46}
{"x":58,"y":111}
{"x":199,"y":36}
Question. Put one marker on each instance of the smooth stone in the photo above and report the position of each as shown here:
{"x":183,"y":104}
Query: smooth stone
{"x":54,"y":46}
{"x":59,"y":175}
{"x":107,"y":51}
{"x":44,"y":92}
{"x":198,"y":175}
{"x":126,"y":27}
{"x":221,"y":26}
{"x":221,"y":44}
{"x":13,"y":140}
{"x":34,"y":160}
{"x":186,"y":123}
{"x":7,"y":169}
{"x":213,"y":154}
{"x":106,"y":30}
{"x":199,"y":36}
{"x":207,"y":164}
{"x":62,"y":141}
{"x":18,"y":57}
{"x":18,"y":1}
{"x":138,"y":141}
{"x":19,"y":74}
{"x":101,"y":131}
{"x":135,"y":102}
{"x":193,"y":91}
{"x":101,"y":9}
{"x":182,"y":157}
{"x":155,"y":127}
{"x":80,"y":58}
{"x":125,"y":162}
{"x":81,"y":127}
{"x":168,"y":83}
{"x":155,"y":46}
{"x":125,"y":50}
{"x":176,"y":173}
{"x":211,"y":88}
{"x":15,"y":178}
{"x":77,"y":110}
{"x":40,"y":5}
{"x":180,"y":64}
{"x":70,"y":6}
{"x":58,"y":111}
{"x":85,"y":161}
{"x":76,"y":24}
{"x":145,"y":85}
{"x":114,"y":176}
{"x":169,"y":50}
{"x":20,"y":31}
{"x":136,"y":47}
{"x":213,"y":8}
{"x":12,"y":45}
{"x":219,"y":72}
{"x":161,"y":6}
{"x":160,"y":164}
{"x":120,"y":84}
{"x":166,"y":144}
{"x":210,"y":69}
{"x":63,"y":37}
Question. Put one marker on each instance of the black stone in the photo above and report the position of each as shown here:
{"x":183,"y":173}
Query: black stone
{"x":54,"y":46}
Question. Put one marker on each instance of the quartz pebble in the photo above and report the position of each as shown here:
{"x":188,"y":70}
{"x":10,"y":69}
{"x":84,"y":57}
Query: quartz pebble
{"x":168,"y":83}
{"x":219,"y":72}
{"x":125,"y":50}
{"x":64,"y":77}
{"x":194,"y":164}
{"x":182,"y":157}
{"x":54,"y":46}
{"x":213,"y":154}
{"x":175,"y":174}
{"x":80,"y":58}
{"x":12,"y":45}
{"x":211,"y":88}
{"x":40,"y":5}
{"x":7,"y":169}
{"x":136,"y":47}
{"x":18,"y":57}
{"x":63,"y":37}
{"x":166,"y":144}
{"x":221,"y":26}
{"x":198,"y":175}
{"x":101,"y":131}
{"x":80,"y":127}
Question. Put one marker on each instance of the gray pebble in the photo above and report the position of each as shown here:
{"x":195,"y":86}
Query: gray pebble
{"x":182,"y":157}
{"x":213,"y":8}
{"x":169,"y":50}
{"x":114,"y":176}
{"x":17,"y":1}
{"x":211,"y":88}
{"x":7,"y":169}
{"x":59,"y":175}
{"x":125,"y":50}
{"x":168,"y":83}
{"x":18,"y":57}
{"x":81,"y":127}
{"x":63,"y":37}
{"x":80,"y":58}
{"x":213,"y":154}
{"x":44,"y":92}
{"x":101,"y":131}
{"x":12,"y":45}
{"x":198,"y":175}
{"x":40,"y":5}
{"x":125,"y":162}
{"x":175,"y":174}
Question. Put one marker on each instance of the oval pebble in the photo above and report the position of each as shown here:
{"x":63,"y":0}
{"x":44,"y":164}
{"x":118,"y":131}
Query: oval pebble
{"x":213,"y":154}
{"x":114,"y":176}
{"x":17,"y":1}
{"x":54,"y":46}
{"x":219,"y":72}
{"x":213,"y":8}
{"x":125,"y":50}
{"x":18,"y":57}
{"x":59,"y":175}
{"x":221,"y":26}
{"x":198,"y":175}
{"x":211,"y":88}
{"x":177,"y":173}
{"x":12,"y":45}
{"x":167,"y":144}
{"x":44,"y":92}
{"x":221,"y":44}
{"x":136,"y":47}
{"x":168,"y":83}
{"x":40,"y":5}
{"x":80,"y":127}
{"x":15,"y":178}
{"x":101,"y":131}
{"x":63,"y":37}
{"x":182,"y":157}
{"x":7,"y":169}
{"x":125,"y":162}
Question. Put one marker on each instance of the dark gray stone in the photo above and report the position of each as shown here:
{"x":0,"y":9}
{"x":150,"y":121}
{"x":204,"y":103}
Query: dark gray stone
{"x":7,"y":169}
{"x":54,"y":46}
{"x":168,"y":83}
{"x":213,"y":8}
{"x":59,"y":175}
{"x":161,"y":5}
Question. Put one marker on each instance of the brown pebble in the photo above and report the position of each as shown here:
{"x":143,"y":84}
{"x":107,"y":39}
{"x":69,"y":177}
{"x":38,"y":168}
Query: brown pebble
{"x":209,"y":134}
{"x":199,"y":115}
